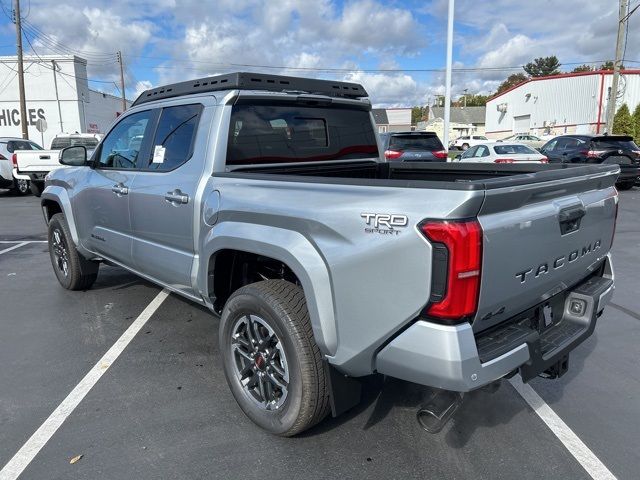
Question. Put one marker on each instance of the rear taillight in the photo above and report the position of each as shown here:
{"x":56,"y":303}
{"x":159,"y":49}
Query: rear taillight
{"x":14,"y":160}
{"x":544,"y":160}
{"x":440,"y":154}
{"x":392,"y":154}
{"x":594,"y":153}
{"x":504,"y":160}
{"x":462,"y":245}
{"x":615,"y":219}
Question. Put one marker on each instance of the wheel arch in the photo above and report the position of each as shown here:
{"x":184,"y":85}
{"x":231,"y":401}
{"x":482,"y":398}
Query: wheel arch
{"x":56,"y":200}
{"x":290,"y":248}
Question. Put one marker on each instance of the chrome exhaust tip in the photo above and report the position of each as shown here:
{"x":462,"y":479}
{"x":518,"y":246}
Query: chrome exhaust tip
{"x":435,"y":414}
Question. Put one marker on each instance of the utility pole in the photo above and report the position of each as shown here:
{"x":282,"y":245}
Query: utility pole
{"x":55,"y":84}
{"x":124,"y":100}
{"x":611,"y":105}
{"x":465,"y":97}
{"x":447,"y":82}
{"x":23,"y":102}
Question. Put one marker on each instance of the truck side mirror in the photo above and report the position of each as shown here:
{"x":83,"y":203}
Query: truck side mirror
{"x":75,"y":156}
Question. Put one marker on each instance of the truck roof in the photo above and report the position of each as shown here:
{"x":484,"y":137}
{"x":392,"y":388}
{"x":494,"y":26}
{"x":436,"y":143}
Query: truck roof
{"x":254,"y":81}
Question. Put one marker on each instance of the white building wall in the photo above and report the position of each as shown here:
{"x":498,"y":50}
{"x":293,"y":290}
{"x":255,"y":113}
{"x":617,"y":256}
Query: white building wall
{"x":76,"y":108}
{"x":399,"y":116}
{"x":561,"y":104}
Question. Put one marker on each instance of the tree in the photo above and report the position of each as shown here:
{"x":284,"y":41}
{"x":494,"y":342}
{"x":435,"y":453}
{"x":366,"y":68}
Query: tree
{"x":636,"y":124}
{"x":543,"y":66}
{"x":511,"y":81}
{"x":622,"y":121}
{"x":474,"y":100}
{"x":608,"y":65}
{"x":583,"y":68}
{"x":418,"y":114}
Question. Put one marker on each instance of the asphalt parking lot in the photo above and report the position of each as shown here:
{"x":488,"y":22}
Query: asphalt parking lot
{"x":163,"y":409}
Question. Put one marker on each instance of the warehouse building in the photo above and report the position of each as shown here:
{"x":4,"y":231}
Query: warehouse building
{"x":559,"y":104}
{"x":56,"y":90}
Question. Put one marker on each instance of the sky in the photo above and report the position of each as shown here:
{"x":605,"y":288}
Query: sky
{"x":395,"y":48}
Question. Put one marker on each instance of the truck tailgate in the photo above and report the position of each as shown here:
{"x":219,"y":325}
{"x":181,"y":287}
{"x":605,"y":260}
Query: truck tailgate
{"x":542,"y":237}
{"x":38,"y":160}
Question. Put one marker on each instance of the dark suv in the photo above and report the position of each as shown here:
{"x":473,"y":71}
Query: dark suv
{"x":618,"y":149}
{"x":413,"y":147}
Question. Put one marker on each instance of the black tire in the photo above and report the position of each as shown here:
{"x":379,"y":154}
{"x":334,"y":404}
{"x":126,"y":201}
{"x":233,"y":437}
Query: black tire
{"x":280,"y":305}
{"x":74,"y":272}
{"x":465,"y":146}
{"x":625,"y":185}
{"x":37,"y":188}
{"x":20,"y":186}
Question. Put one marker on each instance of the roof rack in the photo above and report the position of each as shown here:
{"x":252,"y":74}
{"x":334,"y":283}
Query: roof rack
{"x":254,"y":81}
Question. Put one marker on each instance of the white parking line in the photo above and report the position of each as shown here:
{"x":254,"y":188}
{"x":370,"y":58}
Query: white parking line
{"x":576,"y":447}
{"x":30,"y":449}
{"x":23,"y":241}
{"x":21,"y":244}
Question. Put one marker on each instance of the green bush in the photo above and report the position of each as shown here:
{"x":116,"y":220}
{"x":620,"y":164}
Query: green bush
{"x":622,"y":121}
{"x":636,"y":124}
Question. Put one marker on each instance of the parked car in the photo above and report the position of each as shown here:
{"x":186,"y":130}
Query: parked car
{"x":413,"y":147}
{"x":33,"y":166}
{"x":267,"y":200}
{"x":607,"y":149}
{"x":502,"y":152}
{"x":466,"y":141}
{"x":527,"y":139}
{"x":9,"y":145}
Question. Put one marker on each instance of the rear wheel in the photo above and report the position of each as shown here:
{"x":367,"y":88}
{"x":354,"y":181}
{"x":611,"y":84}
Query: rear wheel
{"x":74,"y":272}
{"x":625,"y":185}
{"x":21,"y":186}
{"x":37,"y":188}
{"x":271,"y":361}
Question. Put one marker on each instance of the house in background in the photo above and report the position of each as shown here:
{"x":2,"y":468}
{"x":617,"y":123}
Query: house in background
{"x":392,"y":119}
{"x":468,"y":120}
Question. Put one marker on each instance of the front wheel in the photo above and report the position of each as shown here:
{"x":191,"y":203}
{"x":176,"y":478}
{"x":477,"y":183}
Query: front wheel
{"x":271,"y":361}
{"x":21,"y":186}
{"x":74,"y":272}
{"x":37,"y":188}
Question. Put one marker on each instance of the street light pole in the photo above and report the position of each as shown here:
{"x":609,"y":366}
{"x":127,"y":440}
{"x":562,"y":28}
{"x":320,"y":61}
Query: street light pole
{"x":447,"y":82}
{"x":611,"y":105}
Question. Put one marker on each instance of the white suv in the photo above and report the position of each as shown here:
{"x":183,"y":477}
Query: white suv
{"x":466,"y":141}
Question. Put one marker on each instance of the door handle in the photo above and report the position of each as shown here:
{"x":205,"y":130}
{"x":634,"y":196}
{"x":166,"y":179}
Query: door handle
{"x":44,"y":157}
{"x":177,"y":197}
{"x":119,"y":189}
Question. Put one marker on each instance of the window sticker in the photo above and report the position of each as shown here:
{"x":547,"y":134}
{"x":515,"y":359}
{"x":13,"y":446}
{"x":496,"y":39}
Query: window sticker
{"x":158,"y":154}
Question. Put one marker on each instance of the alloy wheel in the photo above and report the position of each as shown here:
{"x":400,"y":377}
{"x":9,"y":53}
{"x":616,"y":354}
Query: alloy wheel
{"x":260,"y":362}
{"x":60,"y":253}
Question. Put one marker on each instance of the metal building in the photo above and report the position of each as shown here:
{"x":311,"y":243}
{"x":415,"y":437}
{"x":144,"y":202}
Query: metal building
{"x":57,"y":90}
{"x":559,"y":104}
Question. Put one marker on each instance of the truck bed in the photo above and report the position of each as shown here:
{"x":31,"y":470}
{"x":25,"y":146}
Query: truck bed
{"x":424,"y":174}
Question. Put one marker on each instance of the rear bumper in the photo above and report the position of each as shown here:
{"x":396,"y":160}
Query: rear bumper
{"x":452,"y":358}
{"x":628,"y":173}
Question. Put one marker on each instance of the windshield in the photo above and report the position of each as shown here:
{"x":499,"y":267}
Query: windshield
{"x":59,"y":143}
{"x":415,"y":142}
{"x":282,"y":133}
{"x":513,"y":150}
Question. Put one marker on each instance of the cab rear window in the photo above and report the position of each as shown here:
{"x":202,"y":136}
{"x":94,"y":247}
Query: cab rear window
{"x":59,"y":143}
{"x":282,"y":133}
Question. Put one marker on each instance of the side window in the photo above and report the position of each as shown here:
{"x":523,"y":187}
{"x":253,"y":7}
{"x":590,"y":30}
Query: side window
{"x":481,"y":151}
{"x":173,"y":142}
{"x":121,"y":147}
{"x":15,"y":145}
{"x":551,"y":146}
{"x":469,"y":153}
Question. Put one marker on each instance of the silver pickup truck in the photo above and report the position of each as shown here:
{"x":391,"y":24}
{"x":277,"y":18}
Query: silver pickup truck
{"x":266,"y":199}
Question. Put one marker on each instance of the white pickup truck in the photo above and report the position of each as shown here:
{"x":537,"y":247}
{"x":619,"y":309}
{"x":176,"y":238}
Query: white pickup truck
{"x":34,"y":165}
